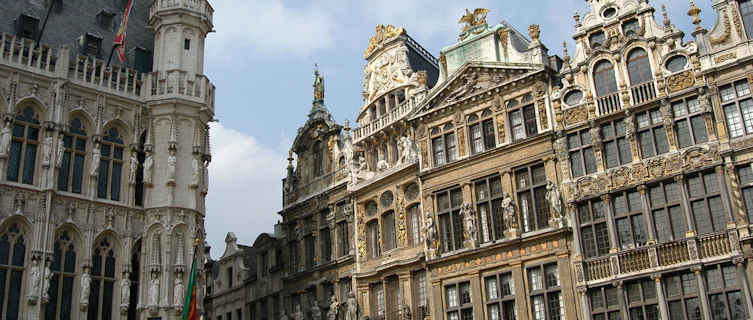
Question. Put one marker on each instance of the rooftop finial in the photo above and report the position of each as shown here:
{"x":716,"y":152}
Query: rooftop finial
{"x":318,"y":85}
{"x":347,"y":125}
{"x":694,"y":12}
{"x":576,"y":16}
{"x":667,"y":23}
{"x":290,"y":158}
{"x":566,"y":55}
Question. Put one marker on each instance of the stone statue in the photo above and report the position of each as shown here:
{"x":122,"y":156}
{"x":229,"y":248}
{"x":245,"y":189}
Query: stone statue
{"x":5,"y":137}
{"x":60,"y":152}
{"x":284,"y":316}
{"x":405,"y":312}
{"x":352,"y":312}
{"x":554,"y":198}
{"x":178,"y":292}
{"x":432,"y":239}
{"x":171,"y":162}
{"x":508,"y":209}
{"x":469,"y":224}
{"x":316,"y":312}
{"x":333,"y":309}
{"x":96,"y":156}
{"x":154,"y":290}
{"x":35,"y":279}
{"x":407,"y":149}
{"x":134,"y":165}
{"x":195,"y":172}
{"x":148,"y":164}
{"x":47,"y":150}
{"x":382,"y":165}
{"x":125,"y":292}
{"x":46,"y":283}
{"x":298,"y":314}
{"x":86,"y":282}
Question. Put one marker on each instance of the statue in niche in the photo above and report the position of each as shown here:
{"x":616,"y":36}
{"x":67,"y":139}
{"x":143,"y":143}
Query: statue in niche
{"x":86,"y":281}
{"x":195,"y":172}
{"x":47,"y":150}
{"x":554,"y":198}
{"x":96,"y":156}
{"x":298,"y":314}
{"x":46,"y":283}
{"x":154,"y":290}
{"x":432,"y":239}
{"x":171,"y":163}
{"x":284,"y":315}
{"x":133,"y":167}
{"x":407,"y":150}
{"x":148,"y":164}
{"x":19,"y":201}
{"x":60,"y":152}
{"x":333,"y":308}
{"x":125,"y":292}
{"x":157,"y":248}
{"x":178,"y":292}
{"x":35,"y":279}
{"x":352,"y":312}
{"x":316,"y":312}
{"x":469,"y":224}
{"x":509,"y":214}
{"x":5,"y":137}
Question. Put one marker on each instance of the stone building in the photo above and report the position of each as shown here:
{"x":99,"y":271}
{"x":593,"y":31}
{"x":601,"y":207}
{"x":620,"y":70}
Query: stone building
{"x":500,"y":182}
{"x":103,"y":170}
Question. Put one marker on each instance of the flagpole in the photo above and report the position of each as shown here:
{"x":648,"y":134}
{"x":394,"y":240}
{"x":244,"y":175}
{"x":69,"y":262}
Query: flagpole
{"x":112,"y":50}
{"x":44,"y":24}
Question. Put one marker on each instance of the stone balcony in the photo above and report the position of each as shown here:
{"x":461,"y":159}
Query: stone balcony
{"x":200,"y":7}
{"x":24,"y":54}
{"x":396,"y":114}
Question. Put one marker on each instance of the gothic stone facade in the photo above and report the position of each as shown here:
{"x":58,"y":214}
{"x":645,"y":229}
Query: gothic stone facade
{"x":103,"y":171}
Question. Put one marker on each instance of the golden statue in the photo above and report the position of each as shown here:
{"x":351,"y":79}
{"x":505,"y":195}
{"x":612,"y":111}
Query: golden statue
{"x":381,"y":34}
{"x":473,"y":19}
{"x":318,"y":85}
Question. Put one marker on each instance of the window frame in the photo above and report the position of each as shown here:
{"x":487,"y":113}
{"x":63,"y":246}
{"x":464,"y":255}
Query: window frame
{"x":486,"y":130}
{"x":583,"y":150}
{"x":389,"y":233}
{"x":688,"y":118}
{"x":605,"y":310}
{"x":592,"y":225}
{"x":631,"y":215}
{"x":546,"y":291}
{"x":748,"y":24}
{"x":501,"y":301}
{"x":461,"y":308}
{"x":667,"y":206}
{"x":604,"y":78}
{"x":528,"y":123}
{"x":644,"y":302}
{"x":447,"y":139}
{"x":13,"y":269}
{"x":109,"y":162}
{"x":450,"y":217}
{"x":60,"y":273}
{"x":612,"y":136}
{"x":746,"y":188}
{"x":372,"y":232}
{"x":725,"y":289}
{"x":99,"y":281}
{"x":642,"y":63}
{"x":27,"y":121}
{"x":684,"y":296}
{"x":705,"y":198}
{"x":735,"y":104}
{"x":491,"y":223}
{"x":536,"y":188}
{"x":70,"y":154}
{"x":652,"y":128}
{"x":414,"y":224}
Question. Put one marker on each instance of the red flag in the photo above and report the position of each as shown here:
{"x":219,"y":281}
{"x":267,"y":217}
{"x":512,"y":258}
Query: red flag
{"x":120,"y":38}
{"x":189,"y":306}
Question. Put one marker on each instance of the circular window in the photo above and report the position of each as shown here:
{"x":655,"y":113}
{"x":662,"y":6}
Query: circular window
{"x":411,"y":192}
{"x":371,"y":208}
{"x":573,"y":97}
{"x":609,"y":12}
{"x":386,"y":199}
{"x":676,"y":63}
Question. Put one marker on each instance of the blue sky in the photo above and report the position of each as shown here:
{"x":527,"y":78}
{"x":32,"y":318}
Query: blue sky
{"x":261,"y":59}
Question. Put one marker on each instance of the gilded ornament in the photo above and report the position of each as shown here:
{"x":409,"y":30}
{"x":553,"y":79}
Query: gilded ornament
{"x":504,"y":38}
{"x":461,"y":144}
{"x":575,"y":115}
{"x":542,"y":115}
{"x":473,"y":19}
{"x":382,"y":33}
{"x":534,"y":31}
{"x":680,"y":81}
{"x":501,"y":127}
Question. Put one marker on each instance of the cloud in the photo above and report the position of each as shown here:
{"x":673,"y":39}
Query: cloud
{"x":270,"y":26}
{"x":244,"y":187}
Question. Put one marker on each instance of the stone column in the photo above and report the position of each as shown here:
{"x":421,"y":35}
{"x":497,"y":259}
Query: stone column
{"x":436,"y":301}
{"x":680,"y":180}
{"x":595,"y":132}
{"x":743,"y":276}
{"x":724,"y":189}
{"x":702,"y":291}
{"x":585,"y":303}
{"x":477,"y":291}
{"x":621,"y":295}
{"x":660,"y":296}
{"x":646,"y":208}
{"x":607,"y":199}
{"x":521,"y":306}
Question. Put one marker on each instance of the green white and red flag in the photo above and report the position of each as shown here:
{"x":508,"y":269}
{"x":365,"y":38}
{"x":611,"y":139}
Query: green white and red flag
{"x":189,"y":307}
{"x":120,"y":38}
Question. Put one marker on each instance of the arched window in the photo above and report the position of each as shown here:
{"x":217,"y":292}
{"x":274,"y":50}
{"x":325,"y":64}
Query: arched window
{"x":71,"y":172}
{"x":102,"y":281}
{"x":110,"y":165}
{"x":135,"y":273}
{"x":63,"y":274}
{"x":23,"y":148}
{"x":12,"y":259}
{"x":604,"y":79}
{"x":746,"y":10}
{"x":389,"y":241}
{"x":318,"y":159}
{"x":639,"y":68}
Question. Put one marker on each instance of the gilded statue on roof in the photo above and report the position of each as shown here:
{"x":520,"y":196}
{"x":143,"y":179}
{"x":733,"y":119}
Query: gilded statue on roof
{"x":382,"y":33}
{"x":473,"y":19}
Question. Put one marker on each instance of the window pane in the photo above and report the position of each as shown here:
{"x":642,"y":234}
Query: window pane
{"x":535,"y":279}
{"x":747,"y":108}
{"x":115,"y":187}
{"x":63,"y":172}
{"x":590,"y":160}
{"x":699,"y":129}
{"x":734,"y":122}
{"x":30,"y":158}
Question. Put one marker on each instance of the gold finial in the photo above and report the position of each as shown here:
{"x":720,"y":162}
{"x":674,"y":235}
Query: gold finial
{"x":196,"y":242}
{"x":694,"y":12}
{"x":473,"y":19}
{"x":667,"y":23}
{"x":534,"y":31}
{"x":290,"y":158}
{"x":318,"y":84}
{"x":347,"y":125}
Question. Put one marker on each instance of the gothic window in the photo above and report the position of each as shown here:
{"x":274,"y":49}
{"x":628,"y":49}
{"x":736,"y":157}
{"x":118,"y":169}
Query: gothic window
{"x":582,"y":158}
{"x":489,"y":207}
{"x":414,"y":224}
{"x":544,"y":289}
{"x":682,"y":296}
{"x":372,"y":229}
{"x":639,"y":68}
{"x":110,"y":165}
{"x":665,"y":203}
{"x":12,"y":261}
{"x":140,"y":156}
{"x":604,"y":79}
{"x":450,"y":220}
{"x":134,"y":276}
{"x":530,"y":183}
{"x":605,"y":304}
{"x":616,"y":146}
{"x":706,"y":202}
{"x":342,"y":236}
{"x":458,"y":301}
{"x":652,"y":137}
{"x":594,"y":233}
{"x":523,"y":122}
{"x":444,"y":145}
{"x":23,"y":147}
{"x":500,"y":297}
{"x":71,"y":174}
{"x":690,"y":125}
{"x":738,"y":108}
{"x":628,"y":218}
{"x":318,"y":159}
{"x":481,"y":132}
{"x":102,"y":281}
{"x":641,"y":299}
{"x":63,"y":274}
{"x":723,"y":288}
{"x":746,"y":11}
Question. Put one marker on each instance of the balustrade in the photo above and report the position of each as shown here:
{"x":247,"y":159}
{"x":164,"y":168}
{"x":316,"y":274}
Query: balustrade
{"x":634,"y":260}
{"x":597,"y":269}
{"x":714,"y":245}
{"x":609,"y":103}
{"x":672,"y":253}
{"x":26,"y":53}
{"x":643,"y":92}
{"x":385,"y":120}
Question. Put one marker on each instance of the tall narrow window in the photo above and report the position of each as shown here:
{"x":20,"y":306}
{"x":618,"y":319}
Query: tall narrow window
{"x":604,"y":79}
{"x":325,"y":239}
{"x":616,"y":146}
{"x":745,"y":175}
{"x":582,"y":158}
{"x":343,"y":239}
{"x":605,"y":304}
{"x":373,"y":234}
{"x":628,"y":217}
{"x":489,"y":207}
{"x":481,"y":132}
{"x":12,"y":261}
{"x":723,"y":288}
{"x":530,"y":183}
{"x":640,"y":296}
{"x":421,"y":294}
{"x":458,"y":301}
{"x":594,"y":234}
{"x":414,"y":224}
{"x":23,"y":147}
{"x":639,"y":67}
{"x":71,"y":174}
{"x":746,"y":11}
{"x":102,"y":281}
{"x":141,"y":156}
{"x":444,"y":145}
{"x":500,"y":297}
{"x":110,"y":165}
{"x":318,"y":159}
{"x":544,"y":290}
{"x":738,"y":108}
{"x":682,"y":296}
{"x":652,"y":137}
{"x":377,"y":291}
{"x":450,"y":220}
{"x":690,"y":125}
{"x":523,"y":122}
{"x":665,"y":203}
{"x":310,"y":255}
{"x":388,"y":230}
{"x":63,"y":273}
{"x":706,"y":202}
{"x":135,"y":276}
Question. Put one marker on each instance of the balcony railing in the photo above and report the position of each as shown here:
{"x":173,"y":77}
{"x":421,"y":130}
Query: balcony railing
{"x":609,"y":103}
{"x":643,"y":92}
{"x":202,"y":7}
{"x":667,"y":255}
{"x":93,"y":72}
{"x":385,"y":120}
{"x":25,"y":53}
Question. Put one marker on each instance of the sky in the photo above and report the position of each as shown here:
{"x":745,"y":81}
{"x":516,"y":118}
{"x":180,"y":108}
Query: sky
{"x":262,"y":56}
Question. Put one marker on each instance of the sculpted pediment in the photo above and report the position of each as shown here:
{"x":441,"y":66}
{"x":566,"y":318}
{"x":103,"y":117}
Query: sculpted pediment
{"x":389,"y":70}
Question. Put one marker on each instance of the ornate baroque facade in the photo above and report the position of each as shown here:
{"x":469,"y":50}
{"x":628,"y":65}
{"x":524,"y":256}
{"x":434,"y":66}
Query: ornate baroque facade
{"x":103,"y":171}
{"x":500,"y":182}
